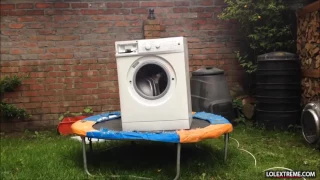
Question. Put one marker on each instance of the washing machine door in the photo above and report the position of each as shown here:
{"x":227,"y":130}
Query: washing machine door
{"x":152,"y":77}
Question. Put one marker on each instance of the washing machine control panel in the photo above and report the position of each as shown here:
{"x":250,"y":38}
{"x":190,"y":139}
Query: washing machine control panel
{"x":149,"y":46}
{"x":160,"y":45}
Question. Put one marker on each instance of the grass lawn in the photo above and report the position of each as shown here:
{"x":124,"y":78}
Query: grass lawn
{"x":46,"y":155}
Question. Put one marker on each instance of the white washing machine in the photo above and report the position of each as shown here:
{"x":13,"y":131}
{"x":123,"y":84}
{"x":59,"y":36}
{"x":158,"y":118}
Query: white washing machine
{"x":154,"y":84}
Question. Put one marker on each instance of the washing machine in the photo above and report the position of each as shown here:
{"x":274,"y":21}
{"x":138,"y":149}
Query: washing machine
{"x":154,"y":84}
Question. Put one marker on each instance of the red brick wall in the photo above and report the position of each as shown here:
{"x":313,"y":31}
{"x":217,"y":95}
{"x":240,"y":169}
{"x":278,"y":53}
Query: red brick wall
{"x":67,"y":48}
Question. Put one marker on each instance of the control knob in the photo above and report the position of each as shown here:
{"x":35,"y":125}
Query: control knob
{"x":148,"y":46}
{"x":157,"y":45}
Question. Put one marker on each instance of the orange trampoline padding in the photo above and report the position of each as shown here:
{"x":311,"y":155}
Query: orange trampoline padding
{"x":108,"y":126}
{"x":209,"y":132}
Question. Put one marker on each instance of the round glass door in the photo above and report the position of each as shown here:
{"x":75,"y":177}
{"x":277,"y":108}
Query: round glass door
{"x":151,"y":80}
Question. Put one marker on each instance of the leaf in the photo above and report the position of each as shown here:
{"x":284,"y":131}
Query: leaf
{"x":61,"y":117}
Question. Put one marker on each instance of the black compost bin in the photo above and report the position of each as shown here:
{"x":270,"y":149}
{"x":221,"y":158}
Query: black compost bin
{"x":278,"y":90}
{"x":210,"y":92}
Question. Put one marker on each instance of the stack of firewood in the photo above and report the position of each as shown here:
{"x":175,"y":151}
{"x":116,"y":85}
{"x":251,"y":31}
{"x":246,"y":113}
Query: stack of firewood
{"x":308,"y":47}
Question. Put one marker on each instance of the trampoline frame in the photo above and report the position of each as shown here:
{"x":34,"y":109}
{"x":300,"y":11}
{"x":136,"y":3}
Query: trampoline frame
{"x":85,"y":166}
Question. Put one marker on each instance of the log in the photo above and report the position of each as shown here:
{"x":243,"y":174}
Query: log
{"x":310,"y":89}
{"x":308,"y":49}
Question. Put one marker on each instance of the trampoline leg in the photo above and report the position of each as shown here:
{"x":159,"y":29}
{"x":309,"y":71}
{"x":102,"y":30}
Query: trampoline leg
{"x":178,"y":161}
{"x":226,"y":140}
{"x":90,"y":144}
{"x":84,"y":156}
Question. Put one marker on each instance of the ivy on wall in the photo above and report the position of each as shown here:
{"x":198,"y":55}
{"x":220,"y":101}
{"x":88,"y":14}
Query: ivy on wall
{"x":9,"y":111}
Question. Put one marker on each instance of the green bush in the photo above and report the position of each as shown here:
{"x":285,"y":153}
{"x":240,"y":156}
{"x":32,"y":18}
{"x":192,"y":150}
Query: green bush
{"x":9,"y":111}
{"x":266,"y":26}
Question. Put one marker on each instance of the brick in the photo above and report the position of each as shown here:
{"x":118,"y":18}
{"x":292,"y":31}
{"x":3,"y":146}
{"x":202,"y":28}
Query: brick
{"x":147,"y":22}
{"x":54,"y":38}
{"x":111,"y":65}
{"x":36,"y":51}
{"x":148,"y":4}
{"x":131,"y":4}
{"x":37,"y":74}
{"x":209,"y":63}
{"x":15,"y":51}
{"x":62,"y":18}
{"x":90,"y":73}
{"x":219,"y":3}
{"x":36,"y":87}
{"x":21,"y":100}
{"x":47,"y":32}
{"x":4,"y":13}
{"x":46,"y":44}
{"x":4,"y":51}
{"x":139,"y":11}
{"x":61,"y":5}
{"x":197,"y":9}
{"x":114,"y":5}
{"x":24,"y":6}
{"x":181,"y":10}
{"x":181,"y":3}
{"x":131,"y":17}
{"x":37,"y":99}
{"x":202,"y":57}
{"x":91,"y":12}
{"x":71,"y":12}
{"x":30,"y":44}
{"x":35,"y":26}
{"x":70,"y":38}
{"x":43,"y":5}
{"x":79,"y":5}
{"x":208,"y":51}
{"x":194,"y":51}
{"x":29,"y":81}
{"x":165,"y":4}
{"x":88,"y":85}
{"x":205,"y":15}
{"x":122,"y":24}
{"x":47,"y":56}
{"x":81,"y":67}
{"x":116,"y":11}
{"x":35,"y":12}
{"x":64,"y":56}
{"x":107,"y":18}
{"x":50,"y":80}
{"x":29,"y":56}
{"x":100,"y":30}
{"x":9,"y":69}
{"x":30,"y":93}
{"x":15,"y":26}
{"x":97,"y":5}
{"x":173,"y":16}
{"x":135,"y":30}
{"x":26,"y":19}
{"x":55,"y":86}
{"x":152,"y":27}
{"x":9,"y":33}
{"x":199,"y":22}
{"x":81,"y":55}
{"x":206,"y":2}
{"x":7,"y":6}
{"x":56,"y":74}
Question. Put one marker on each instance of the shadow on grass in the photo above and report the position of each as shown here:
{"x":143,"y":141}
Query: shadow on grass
{"x":150,"y":159}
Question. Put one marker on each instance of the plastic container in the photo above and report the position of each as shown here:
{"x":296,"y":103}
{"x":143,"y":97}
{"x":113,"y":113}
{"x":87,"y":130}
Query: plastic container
{"x":210,"y":92}
{"x":64,"y":127}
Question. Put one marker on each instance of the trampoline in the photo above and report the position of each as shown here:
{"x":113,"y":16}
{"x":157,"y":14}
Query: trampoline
{"x":108,"y":126}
